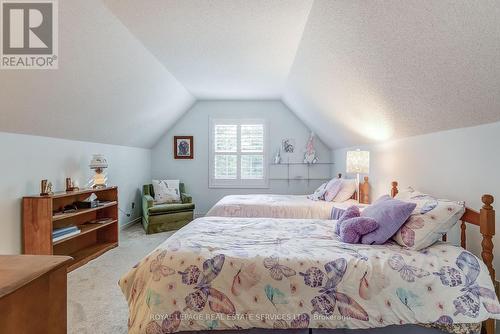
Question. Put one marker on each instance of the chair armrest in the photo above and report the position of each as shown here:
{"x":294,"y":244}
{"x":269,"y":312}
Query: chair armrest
{"x":186,"y":198}
{"x":147,"y":201}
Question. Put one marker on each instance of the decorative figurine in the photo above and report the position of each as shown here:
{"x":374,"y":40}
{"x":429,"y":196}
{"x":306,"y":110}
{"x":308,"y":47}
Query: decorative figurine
{"x":310,"y":153}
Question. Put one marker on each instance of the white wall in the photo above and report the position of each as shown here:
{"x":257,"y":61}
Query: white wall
{"x":25,"y":160}
{"x":459,"y":164}
{"x":194,"y":173}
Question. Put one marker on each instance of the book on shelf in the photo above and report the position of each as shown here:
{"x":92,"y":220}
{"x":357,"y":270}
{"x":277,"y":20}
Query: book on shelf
{"x":67,"y":235}
{"x":63,"y":230}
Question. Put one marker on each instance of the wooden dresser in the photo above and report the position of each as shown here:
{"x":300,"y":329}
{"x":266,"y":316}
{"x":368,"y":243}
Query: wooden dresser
{"x":33,"y":294}
{"x":42,"y":214}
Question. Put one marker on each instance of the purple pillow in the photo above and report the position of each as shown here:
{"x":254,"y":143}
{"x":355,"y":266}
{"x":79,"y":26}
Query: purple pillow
{"x":353,"y":229}
{"x":350,"y":212}
{"x":390,"y":214}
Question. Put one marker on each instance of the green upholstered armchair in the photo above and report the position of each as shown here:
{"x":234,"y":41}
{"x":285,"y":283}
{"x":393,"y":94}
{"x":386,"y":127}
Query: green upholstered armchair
{"x":165,"y":217}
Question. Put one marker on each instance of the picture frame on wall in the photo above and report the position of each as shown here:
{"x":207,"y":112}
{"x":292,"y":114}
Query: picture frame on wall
{"x":183,"y":147}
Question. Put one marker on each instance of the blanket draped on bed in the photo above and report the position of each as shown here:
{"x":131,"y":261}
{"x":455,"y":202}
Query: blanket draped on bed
{"x":227,"y":273}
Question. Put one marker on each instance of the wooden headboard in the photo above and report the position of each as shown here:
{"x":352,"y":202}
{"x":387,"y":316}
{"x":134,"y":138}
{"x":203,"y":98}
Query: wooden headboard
{"x":485,"y":219}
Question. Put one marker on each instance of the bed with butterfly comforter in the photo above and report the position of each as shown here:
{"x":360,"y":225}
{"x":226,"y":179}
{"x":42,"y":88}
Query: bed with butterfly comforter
{"x":238,"y":273}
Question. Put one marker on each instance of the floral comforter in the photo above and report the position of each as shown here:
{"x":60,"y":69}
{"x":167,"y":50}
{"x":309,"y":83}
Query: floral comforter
{"x":227,"y":273}
{"x":275,"y":206}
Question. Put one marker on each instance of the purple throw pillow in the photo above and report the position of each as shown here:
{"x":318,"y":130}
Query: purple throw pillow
{"x":350,"y":212}
{"x":353,"y":229}
{"x":390,"y":214}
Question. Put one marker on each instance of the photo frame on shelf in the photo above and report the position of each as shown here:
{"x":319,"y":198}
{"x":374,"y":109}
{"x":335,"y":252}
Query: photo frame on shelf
{"x":183,"y":147}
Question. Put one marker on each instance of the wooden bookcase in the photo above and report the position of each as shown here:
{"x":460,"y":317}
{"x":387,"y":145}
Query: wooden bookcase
{"x":41,"y":214}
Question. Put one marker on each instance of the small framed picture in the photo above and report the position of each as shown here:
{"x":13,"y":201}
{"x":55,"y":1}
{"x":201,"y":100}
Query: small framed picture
{"x":183,"y":147}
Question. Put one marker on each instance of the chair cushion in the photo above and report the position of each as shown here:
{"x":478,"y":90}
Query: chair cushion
{"x":170,"y":208}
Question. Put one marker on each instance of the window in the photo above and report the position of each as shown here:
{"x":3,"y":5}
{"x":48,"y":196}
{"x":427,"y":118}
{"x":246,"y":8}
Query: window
{"x":238,"y":153}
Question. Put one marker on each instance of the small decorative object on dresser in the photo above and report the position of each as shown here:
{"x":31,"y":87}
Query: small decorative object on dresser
{"x":55,"y":225}
{"x":33,"y":294}
{"x":98,"y":164}
{"x":45,"y":188}
{"x":183,"y":147}
{"x":70,"y":185}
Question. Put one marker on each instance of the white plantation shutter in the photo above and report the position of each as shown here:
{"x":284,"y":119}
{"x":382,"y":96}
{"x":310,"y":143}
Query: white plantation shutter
{"x":252,"y":138}
{"x":226,"y":138}
{"x":226,"y":166}
{"x":237,"y":153}
{"x":252,"y":167}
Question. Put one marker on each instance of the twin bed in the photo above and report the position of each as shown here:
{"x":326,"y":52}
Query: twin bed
{"x":294,"y":275}
{"x":275,"y":206}
{"x":280,"y":206}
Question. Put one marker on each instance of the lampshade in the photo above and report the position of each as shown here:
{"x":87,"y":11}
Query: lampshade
{"x":358,"y":162}
{"x":98,"y":162}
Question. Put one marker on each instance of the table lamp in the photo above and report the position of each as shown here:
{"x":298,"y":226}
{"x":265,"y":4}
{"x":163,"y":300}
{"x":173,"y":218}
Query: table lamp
{"x":358,"y":162}
{"x":98,"y":164}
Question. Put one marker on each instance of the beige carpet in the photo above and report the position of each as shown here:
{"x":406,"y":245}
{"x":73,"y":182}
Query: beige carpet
{"x":95,"y":302}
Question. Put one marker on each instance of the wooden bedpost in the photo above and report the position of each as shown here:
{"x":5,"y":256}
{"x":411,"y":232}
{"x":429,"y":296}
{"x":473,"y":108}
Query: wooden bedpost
{"x":394,"y":189}
{"x":364,"y":192}
{"x":487,"y":229}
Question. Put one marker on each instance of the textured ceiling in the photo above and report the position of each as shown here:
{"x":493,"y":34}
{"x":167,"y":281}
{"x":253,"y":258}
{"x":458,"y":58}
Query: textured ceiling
{"x":108,"y":87}
{"x":222,"y":49}
{"x":370,"y":71}
{"x":355,"y":71}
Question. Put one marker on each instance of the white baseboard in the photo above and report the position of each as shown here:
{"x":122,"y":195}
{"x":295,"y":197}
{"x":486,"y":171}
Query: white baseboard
{"x":130,"y":223}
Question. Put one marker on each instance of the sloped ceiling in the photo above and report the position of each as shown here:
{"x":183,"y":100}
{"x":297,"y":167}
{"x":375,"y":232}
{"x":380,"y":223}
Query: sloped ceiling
{"x":108,"y":87}
{"x":355,"y":72}
{"x":220,"y":49}
{"x":370,"y":71}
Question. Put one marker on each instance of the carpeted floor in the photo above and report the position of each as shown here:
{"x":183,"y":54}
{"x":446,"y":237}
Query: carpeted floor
{"x":95,"y":302}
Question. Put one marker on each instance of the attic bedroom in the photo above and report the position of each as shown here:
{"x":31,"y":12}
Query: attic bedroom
{"x":249,"y":166}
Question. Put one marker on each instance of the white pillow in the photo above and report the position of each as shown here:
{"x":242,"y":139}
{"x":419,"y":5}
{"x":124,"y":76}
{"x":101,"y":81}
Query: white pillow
{"x":166,"y":191}
{"x":319,"y":194}
{"x":346,"y":191}
{"x":431,"y":219}
{"x":332,"y":189}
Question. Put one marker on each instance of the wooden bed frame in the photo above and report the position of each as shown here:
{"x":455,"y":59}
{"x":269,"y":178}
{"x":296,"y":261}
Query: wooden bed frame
{"x":485,"y":219}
